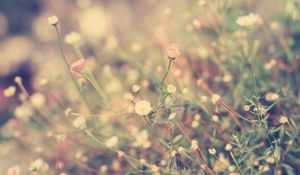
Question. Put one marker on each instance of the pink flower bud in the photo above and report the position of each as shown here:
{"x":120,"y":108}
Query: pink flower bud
{"x":78,"y":65}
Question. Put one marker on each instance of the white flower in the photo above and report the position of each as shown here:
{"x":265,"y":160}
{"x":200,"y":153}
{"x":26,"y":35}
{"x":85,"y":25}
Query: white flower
{"x":143,"y":107}
{"x":23,"y":112}
{"x":39,"y":165}
{"x":53,"y":20}
{"x":171,"y":89}
{"x":212,"y":151}
{"x":37,"y":99}
{"x":141,"y":139}
{"x":194,"y":144}
{"x":181,"y":149}
{"x":136,"y":88}
{"x":15,"y":170}
{"x":172,"y":116}
{"x":113,"y":141}
{"x":249,"y":20}
{"x":72,"y":38}
{"x":228,"y":147}
{"x":203,"y":98}
{"x":79,"y":122}
{"x":215,"y":98}
{"x":215,"y":118}
{"x":68,"y":112}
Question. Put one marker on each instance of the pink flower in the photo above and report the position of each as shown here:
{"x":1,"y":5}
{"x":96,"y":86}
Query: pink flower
{"x":78,"y":65}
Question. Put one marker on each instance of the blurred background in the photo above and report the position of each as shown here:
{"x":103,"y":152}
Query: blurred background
{"x":135,"y":32}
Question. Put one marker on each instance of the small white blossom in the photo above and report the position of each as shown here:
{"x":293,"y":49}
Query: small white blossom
{"x":53,"y":20}
{"x":143,"y":107}
{"x":79,"y":122}
{"x":171,"y":89}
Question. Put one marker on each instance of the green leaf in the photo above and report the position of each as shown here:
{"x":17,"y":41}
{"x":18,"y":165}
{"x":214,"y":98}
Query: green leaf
{"x":271,"y":106}
{"x":177,"y":139}
{"x":288,"y":168}
{"x":163,"y":142}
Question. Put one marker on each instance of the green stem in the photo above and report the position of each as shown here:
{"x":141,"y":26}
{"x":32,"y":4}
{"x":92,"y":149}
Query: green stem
{"x":236,"y":163}
{"x":165,"y":76}
{"x":93,"y":81}
{"x":68,"y":66}
{"x":162,"y":102}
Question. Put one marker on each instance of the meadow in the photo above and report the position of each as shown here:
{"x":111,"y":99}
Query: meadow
{"x":151,"y":87}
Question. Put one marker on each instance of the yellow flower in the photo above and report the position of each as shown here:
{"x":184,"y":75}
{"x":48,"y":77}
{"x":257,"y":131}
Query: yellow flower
{"x":249,"y":20}
{"x":10,"y":91}
{"x":212,"y":151}
{"x":271,"y":159}
{"x":143,"y":107}
{"x":53,"y":20}
{"x":195,"y":124}
{"x":283,"y":120}
{"x":171,"y":89}
{"x":246,"y":108}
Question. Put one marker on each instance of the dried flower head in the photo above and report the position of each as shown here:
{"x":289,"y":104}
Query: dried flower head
{"x":143,"y":107}
{"x":173,"y":51}
{"x":53,"y":20}
{"x":78,"y":66}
